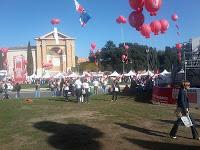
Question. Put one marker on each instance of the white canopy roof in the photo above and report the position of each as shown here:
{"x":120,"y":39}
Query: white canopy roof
{"x":73,"y":75}
{"x":131,"y":73}
{"x":181,"y":71}
{"x":114,"y":74}
{"x":34,"y":76}
{"x":46,"y":76}
{"x":148,"y":73}
{"x":59,"y":75}
{"x":165,"y":72}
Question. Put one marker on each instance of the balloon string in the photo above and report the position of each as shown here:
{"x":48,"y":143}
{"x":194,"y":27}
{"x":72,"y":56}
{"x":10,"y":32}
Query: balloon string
{"x":122,"y":35}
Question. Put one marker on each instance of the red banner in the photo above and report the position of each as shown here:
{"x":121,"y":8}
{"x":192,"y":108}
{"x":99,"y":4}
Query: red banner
{"x":170,"y":95}
{"x":19,"y":69}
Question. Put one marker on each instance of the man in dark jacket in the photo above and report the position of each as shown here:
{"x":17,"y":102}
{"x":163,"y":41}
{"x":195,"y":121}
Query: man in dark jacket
{"x":183,"y":108}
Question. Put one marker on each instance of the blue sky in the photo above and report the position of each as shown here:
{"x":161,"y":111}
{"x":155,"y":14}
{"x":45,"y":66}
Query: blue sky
{"x":23,"y":20}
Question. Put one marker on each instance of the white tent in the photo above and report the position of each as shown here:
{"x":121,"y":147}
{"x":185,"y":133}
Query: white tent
{"x":181,"y":71}
{"x":165,"y":72}
{"x":131,"y":73}
{"x":34,"y":76}
{"x":114,"y":74}
{"x":59,"y":75}
{"x":46,"y":76}
{"x":73,"y":75}
{"x":148,"y":73}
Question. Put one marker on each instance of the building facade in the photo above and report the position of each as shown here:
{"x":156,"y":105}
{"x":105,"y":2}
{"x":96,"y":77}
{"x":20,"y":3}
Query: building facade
{"x":61,"y":56}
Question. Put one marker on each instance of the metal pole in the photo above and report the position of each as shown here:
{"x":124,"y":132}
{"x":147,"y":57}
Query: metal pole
{"x":147,"y":60}
{"x":123,"y":67}
{"x":185,"y":73}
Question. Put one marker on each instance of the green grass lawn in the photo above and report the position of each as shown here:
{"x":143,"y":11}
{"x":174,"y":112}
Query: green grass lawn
{"x":101,"y":124}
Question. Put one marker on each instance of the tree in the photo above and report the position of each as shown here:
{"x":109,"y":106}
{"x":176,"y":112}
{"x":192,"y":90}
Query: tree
{"x":29,"y":60}
{"x":1,"y":61}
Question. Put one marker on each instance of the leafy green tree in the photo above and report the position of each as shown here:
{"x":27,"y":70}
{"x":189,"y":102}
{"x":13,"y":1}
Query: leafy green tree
{"x":29,"y":60}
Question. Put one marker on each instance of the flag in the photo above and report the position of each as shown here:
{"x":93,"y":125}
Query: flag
{"x":84,"y":16}
{"x":79,"y":8}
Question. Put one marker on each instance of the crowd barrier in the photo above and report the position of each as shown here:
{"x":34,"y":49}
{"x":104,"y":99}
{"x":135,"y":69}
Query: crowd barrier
{"x":169,"y":95}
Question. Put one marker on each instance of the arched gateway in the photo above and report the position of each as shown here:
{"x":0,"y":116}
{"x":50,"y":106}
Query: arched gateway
{"x":61,"y":57}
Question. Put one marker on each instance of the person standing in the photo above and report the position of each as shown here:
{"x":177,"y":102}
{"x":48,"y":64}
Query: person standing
{"x":96,"y":85}
{"x":18,"y":89}
{"x":115,"y":90}
{"x":104,"y":86}
{"x":37,"y":89}
{"x":86,"y":87}
{"x":183,"y":110}
{"x":78,"y":85}
{"x":66,"y":91}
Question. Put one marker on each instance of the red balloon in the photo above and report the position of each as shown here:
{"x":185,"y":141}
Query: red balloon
{"x":118,"y":21}
{"x":123,"y":57}
{"x":55,"y":21}
{"x":164,"y":25}
{"x":155,"y":27}
{"x":152,"y":6}
{"x":126,"y":47}
{"x":178,"y":46}
{"x":145,"y":30}
{"x":136,"y":19}
{"x":93,"y":46}
{"x":122,"y":19}
{"x":174,"y":17}
{"x":137,"y":5}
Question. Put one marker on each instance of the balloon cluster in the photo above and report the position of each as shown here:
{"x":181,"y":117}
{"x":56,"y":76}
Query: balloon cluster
{"x":136,"y":18}
{"x":121,"y":20}
{"x":48,"y":65}
{"x":179,"y":47}
{"x":92,"y":54}
{"x":5,"y":60}
{"x":124,"y":58}
{"x":4,"y":50}
{"x":174,"y":17}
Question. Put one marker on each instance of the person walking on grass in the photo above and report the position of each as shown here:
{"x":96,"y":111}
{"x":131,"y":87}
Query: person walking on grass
{"x":18,"y":89}
{"x":183,"y":110}
{"x":115,"y":90}
{"x":37,"y":89}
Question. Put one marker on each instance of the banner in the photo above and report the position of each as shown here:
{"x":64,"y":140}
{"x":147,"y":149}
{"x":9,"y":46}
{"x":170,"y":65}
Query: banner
{"x":170,"y":95}
{"x":19,"y":69}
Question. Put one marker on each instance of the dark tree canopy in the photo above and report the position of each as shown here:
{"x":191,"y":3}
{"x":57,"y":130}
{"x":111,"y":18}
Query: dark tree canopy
{"x":138,"y":57}
{"x":29,"y":60}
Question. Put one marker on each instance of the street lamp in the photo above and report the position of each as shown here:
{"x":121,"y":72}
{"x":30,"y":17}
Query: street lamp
{"x":147,"y":51}
{"x":131,"y":64}
{"x":123,"y":66}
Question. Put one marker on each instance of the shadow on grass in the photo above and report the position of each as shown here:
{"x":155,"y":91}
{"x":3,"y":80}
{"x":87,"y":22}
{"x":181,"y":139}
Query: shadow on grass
{"x":148,"y":131}
{"x":71,"y":136}
{"x":153,"y":145}
{"x":62,"y":99}
{"x":181,"y":124}
{"x":143,"y":130}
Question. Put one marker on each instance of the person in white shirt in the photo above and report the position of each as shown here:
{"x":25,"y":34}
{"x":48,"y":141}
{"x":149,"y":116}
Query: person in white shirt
{"x":78,"y":85}
{"x":96,"y":84}
{"x":66,"y":91}
{"x":104,"y":86}
{"x":85,"y":91}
